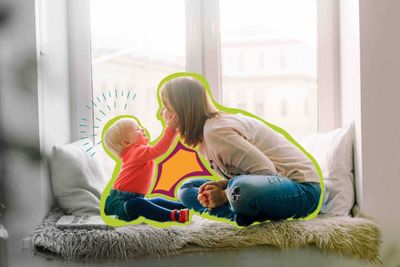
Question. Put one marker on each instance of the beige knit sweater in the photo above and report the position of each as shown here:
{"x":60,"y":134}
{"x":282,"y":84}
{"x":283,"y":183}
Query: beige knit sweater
{"x":236,"y":144}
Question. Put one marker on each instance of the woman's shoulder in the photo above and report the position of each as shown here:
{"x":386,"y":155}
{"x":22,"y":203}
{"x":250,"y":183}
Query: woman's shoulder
{"x":221,"y":120}
{"x":226,"y":121}
{"x":244,"y":125}
{"x":229,"y":120}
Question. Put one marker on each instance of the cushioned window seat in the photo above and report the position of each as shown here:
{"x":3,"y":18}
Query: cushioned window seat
{"x":357,"y":237}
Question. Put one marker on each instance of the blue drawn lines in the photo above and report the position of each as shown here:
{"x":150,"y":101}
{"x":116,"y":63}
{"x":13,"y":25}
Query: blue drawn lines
{"x":101,"y":108}
{"x":93,"y":103}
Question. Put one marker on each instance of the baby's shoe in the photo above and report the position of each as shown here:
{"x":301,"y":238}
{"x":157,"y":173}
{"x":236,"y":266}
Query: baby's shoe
{"x":183,"y":215}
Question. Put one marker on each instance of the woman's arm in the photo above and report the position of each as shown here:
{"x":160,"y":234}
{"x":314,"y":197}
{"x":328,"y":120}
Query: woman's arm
{"x":232,"y":149}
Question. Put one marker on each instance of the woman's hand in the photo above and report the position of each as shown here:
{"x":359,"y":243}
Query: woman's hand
{"x":219,"y":183}
{"x":212,"y":194}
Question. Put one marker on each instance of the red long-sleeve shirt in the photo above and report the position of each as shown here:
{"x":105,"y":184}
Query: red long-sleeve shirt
{"x":138,"y":164}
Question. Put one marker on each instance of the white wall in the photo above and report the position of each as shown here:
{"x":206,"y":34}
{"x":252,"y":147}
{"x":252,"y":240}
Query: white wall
{"x":370,"y":78}
{"x":34,"y":109}
{"x":379,"y":118}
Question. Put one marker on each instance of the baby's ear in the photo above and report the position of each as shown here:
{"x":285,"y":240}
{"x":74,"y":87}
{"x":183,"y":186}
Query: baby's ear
{"x":125,"y":143}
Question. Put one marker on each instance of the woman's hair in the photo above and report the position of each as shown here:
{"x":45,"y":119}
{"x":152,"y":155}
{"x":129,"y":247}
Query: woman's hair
{"x":192,"y":105}
{"x":115,"y":134}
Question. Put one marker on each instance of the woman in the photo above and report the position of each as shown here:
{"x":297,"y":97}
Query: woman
{"x":263,"y":175}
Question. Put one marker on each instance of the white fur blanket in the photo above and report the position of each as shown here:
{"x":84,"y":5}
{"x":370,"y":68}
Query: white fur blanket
{"x":358,"y":237}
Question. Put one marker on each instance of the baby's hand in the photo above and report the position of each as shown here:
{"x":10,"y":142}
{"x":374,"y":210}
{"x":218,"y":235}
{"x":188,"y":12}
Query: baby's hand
{"x":172,"y":122}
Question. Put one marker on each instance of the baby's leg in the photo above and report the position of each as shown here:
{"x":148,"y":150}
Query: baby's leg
{"x":139,"y":206}
{"x":168,"y":204}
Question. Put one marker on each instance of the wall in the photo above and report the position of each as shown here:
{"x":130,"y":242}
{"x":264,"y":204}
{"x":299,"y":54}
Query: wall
{"x":350,"y":105}
{"x":370,"y":68}
{"x":34,"y":110}
{"x":379,"y":118}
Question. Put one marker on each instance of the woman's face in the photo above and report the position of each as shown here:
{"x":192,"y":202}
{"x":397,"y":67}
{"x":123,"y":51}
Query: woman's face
{"x":167,"y":110}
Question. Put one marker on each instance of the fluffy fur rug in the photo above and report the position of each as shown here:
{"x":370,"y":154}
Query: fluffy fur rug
{"x":358,"y":237}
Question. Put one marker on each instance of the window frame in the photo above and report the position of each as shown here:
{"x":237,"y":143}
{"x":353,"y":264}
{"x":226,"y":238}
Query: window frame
{"x":203,"y":55}
{"x":80,"y":66}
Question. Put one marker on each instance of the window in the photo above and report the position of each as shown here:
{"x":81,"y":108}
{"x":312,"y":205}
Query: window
{"x":275,"y":45}
{"x":253,"y":53}
{"x":134,"y":44}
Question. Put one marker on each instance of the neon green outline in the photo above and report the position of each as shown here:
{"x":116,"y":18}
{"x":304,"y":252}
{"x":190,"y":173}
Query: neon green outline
{"x":203,"y":81}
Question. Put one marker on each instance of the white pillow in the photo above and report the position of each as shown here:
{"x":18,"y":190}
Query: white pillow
{"x":334,"y":154}
{"x":77,"y":178}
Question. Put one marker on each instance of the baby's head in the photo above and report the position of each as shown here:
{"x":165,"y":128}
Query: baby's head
{"x":122,"y":134}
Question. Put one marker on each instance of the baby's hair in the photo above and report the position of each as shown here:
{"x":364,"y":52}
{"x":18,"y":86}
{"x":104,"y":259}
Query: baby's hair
{"x":115,"y":134}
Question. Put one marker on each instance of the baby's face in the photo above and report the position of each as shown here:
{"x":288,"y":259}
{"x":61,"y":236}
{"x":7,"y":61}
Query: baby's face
{"x":135,"y":135}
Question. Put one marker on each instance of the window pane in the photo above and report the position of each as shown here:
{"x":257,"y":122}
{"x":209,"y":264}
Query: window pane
{"x":269,"y":53}
{"x":135,"y":44}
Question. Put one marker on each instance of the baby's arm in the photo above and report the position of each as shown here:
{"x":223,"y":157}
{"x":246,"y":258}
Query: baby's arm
{"x":152,"y":152}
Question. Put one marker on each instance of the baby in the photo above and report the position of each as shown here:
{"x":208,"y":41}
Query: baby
{"x":127,"y":198}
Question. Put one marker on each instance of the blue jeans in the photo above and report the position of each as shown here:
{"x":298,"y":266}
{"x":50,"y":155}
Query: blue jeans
{"x":257,"y":198}
{"x":130,"y":206}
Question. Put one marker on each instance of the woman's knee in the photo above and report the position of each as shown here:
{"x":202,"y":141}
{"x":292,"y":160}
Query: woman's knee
{"x":187,"y":191}
{"x":190,"y":189}
{"x":240,"y":197}
{"x":184,"y":189}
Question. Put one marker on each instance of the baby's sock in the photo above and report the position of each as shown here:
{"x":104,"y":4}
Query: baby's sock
{"x":174,"y":215}
{"x":181,"y":216}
